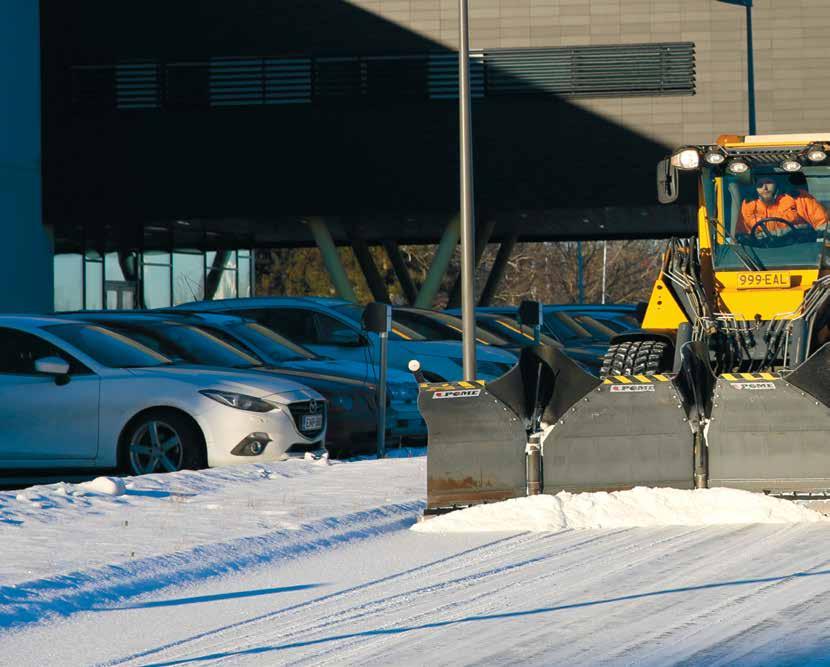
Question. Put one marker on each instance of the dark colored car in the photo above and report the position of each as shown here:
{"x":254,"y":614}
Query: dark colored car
{"x":579,"y":343}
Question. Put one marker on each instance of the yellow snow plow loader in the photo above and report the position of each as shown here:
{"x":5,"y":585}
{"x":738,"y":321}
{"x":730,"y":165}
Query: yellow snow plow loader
{"x":728,"y":382}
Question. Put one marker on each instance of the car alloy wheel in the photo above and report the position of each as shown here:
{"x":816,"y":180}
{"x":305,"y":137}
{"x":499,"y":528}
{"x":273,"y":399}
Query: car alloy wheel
{"x":155,"y":446}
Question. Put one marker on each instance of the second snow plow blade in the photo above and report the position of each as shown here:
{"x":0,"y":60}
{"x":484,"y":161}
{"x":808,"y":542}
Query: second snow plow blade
{"x":770,"y":433}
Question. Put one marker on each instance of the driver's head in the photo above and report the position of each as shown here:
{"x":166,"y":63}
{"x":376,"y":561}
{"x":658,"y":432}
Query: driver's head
{"x":766,"y":188}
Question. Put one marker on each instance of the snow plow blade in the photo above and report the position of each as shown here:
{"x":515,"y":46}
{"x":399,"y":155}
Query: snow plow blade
{"x":478,"y":433}
{"x":770,"y":433}
{"x":632,"y":430}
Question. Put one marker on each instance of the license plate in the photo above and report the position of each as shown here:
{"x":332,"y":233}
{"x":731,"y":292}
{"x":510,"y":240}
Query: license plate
{"x":764,"y":280}
{"x":311,"y":422}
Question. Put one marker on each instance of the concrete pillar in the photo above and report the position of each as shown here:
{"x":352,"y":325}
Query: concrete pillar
{"x":26,"y":272}
{"x":483,"y":235}
{"x":439,"y":265}
{"x":497,"y":272}
{"x":401,"y":271}
{"x":370,"y":270}
{"x":336,"y":271}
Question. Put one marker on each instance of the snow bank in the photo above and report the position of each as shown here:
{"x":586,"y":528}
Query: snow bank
{"x":639,"y":507}
{"x":109,"y":486}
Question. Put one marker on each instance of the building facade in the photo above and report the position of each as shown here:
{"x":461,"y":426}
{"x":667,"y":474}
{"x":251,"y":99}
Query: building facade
{"x":147,"y":146}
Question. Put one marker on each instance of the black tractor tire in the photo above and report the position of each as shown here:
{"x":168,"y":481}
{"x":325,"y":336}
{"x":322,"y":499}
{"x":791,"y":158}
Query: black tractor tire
{"x":188,"y":452}
{"x":637,"y":357}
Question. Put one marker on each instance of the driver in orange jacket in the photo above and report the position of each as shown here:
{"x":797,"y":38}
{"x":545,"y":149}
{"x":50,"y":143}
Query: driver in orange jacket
{"x":799,"y":210}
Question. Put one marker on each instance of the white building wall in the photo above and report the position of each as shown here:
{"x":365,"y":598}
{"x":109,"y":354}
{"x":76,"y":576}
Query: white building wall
{"x":26,"y":276}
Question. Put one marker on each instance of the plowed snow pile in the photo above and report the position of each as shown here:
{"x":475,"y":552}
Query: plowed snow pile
{"x":640,"y":507}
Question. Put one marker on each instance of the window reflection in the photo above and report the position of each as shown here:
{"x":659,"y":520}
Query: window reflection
{"x":188,"y":277}
{"x":68,"y":282}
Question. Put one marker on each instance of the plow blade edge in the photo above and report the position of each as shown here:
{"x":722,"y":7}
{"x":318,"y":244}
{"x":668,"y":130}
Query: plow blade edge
{"x":630,"y":431}
{"x":772,"y":433}
{"x":476,"y":446}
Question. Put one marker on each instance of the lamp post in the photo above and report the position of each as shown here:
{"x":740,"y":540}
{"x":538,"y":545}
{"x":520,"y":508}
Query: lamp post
{"x":750,"y":65}
{"x":467,"y":212}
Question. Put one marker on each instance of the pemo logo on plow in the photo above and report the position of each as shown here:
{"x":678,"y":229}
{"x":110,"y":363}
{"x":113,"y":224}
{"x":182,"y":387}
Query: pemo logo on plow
{"x":631,"y":388}
{"x":753,"y":386}
{"x":457,"y":393}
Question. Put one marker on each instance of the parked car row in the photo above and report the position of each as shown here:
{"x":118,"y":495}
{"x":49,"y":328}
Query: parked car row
{"x":75,"y":395}
{"x":257,"y":379}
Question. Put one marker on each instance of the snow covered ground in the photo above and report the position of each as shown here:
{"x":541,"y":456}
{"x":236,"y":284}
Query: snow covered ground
{"x":305,"y":562}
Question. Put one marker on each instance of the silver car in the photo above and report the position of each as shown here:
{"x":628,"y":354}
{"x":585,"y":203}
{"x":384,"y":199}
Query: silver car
{"x":74,"y":395}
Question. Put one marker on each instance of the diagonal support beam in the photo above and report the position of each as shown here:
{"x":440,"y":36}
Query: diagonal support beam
{"x":370,"y":270}
{"x":331,"y":259}
{"x":497,"y":272}
{"x":483,"y":235}
{"x":443,"y":256}
{"x":401,"y":271}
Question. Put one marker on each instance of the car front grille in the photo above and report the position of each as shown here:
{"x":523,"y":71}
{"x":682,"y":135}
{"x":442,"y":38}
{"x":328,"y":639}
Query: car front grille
{"x":302,"y":409}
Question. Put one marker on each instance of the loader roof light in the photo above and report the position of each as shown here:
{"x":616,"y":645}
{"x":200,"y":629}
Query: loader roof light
{"x":737,"y":167}
{"x":686,"y":158}
{"x":791,"y":166}
{"x":816,"y":154}
{"x":714,"y":156}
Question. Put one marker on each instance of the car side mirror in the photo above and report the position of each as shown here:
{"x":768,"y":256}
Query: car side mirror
{"x":55,"y":366}
{"x":667,"y":182}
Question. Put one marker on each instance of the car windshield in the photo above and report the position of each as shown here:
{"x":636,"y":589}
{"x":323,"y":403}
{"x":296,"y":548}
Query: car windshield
{"x":441,"y":326}
{"x":564,"y":327}
{"x":771,"y":219}
{"x":599,"y":330}
{"x":399,"y":331}
{"x":107,"y":347}
{"x":272,"y":344}
{"x":183,"y":342}
{"x":515,"y":333}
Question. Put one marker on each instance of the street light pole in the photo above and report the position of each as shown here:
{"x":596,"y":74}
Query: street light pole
{"x":750,"y":60}
{"x":467,"y":210}
{"x":750,"y":68}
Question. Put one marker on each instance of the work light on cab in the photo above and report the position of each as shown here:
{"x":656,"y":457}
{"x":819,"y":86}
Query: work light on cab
{"x":713,"y":156}
{"x":737,"y":167}
{"x":686,"y":158}
{"x":816,"y":154}
{"x":791,"y":166}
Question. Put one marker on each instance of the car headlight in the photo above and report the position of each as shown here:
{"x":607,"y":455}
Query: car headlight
{"x":340,"y":402}
{"x":402,"y":391}
{"x":239,"y":401}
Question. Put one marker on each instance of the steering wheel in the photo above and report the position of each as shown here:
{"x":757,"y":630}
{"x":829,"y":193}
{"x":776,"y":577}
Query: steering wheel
{"x":797,"y":233}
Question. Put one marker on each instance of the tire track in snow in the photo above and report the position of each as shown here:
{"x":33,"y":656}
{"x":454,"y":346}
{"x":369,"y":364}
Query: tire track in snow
{"x":530,"y":584}
{"x":66,"y":594}
{"x":698,"y":615}
{"x":328,"y":598}
{"x":497,"y":605}
{"x":385,"y":606}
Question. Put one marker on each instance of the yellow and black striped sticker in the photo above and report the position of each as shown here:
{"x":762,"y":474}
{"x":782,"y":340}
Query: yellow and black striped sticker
{"x":637,"y":379}
{"x":738,"y":377}
{"x":451,"y":386}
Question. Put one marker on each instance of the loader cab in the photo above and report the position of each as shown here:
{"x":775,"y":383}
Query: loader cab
{"x":748,"y":234}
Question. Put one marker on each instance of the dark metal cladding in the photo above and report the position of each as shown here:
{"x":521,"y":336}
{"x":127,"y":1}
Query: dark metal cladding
{"x":476,"y":446}
{"x":813,"y":376}
{"x":632,"y":431}
{"x":771,"y":434}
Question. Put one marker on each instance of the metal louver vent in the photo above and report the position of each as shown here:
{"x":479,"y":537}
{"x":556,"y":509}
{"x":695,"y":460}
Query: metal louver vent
{"x":593,"y":71}
{"x":580,"y":71}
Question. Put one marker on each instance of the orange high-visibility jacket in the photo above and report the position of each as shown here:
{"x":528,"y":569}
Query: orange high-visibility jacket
{"x":810,"y":209}
{"x":802,"y":208}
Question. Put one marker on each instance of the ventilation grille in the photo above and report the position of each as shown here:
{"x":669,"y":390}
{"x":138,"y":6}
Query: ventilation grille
{"x":584,"y":71}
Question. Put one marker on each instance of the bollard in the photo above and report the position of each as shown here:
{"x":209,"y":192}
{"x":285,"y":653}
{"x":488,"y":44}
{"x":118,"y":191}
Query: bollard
{"x":534,"y":464}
